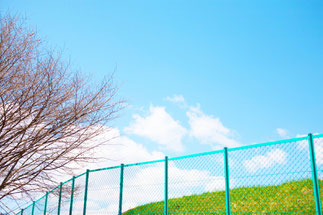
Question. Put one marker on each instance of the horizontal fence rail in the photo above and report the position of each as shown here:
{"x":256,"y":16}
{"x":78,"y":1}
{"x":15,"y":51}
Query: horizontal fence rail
{"x":281,"y":177}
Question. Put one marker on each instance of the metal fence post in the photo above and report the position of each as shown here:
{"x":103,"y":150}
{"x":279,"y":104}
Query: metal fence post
{"x":33,"y":209}
{"x":314,"y":176}
{"x":166,"y":186}
{"x":22,"y":212}
{"x":85,"y":191}
{"x":227,"y":185}
{"x":46,"y":200}
{"x":72,"y":196}
{"x":59,"y":199}
{"x":121,"y":188}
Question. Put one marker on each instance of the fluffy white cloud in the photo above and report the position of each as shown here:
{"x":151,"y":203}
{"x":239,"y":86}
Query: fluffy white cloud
{"x":282,"y":132}
{"x":119,"y":149}
{"x":209,"y":130}
{"x":176,"y":99}
{"x":268,"y":160}
{"x":160,"y":127}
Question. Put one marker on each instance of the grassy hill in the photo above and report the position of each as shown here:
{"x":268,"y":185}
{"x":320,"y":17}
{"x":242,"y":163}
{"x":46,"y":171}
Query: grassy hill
{"x":287,"y":198}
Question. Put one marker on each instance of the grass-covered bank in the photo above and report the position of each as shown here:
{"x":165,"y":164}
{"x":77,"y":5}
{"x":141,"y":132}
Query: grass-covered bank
{"x":287,"y":198}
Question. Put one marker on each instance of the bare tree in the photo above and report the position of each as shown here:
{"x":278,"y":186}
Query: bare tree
{"x":47,"y":113}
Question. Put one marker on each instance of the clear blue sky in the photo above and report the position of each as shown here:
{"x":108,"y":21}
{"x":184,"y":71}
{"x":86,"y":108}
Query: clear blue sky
{"x":253,"y":65}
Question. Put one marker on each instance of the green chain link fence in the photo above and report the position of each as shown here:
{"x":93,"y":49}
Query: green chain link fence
{"x":282,"y":177}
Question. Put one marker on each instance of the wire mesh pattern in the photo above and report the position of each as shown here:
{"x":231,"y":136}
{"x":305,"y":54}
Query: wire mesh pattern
{"x":39,"y":206}
{"x":282,"y":177}
{"x":103,"y":192}
{"x":261,"y":179}
{"x":142,"y":185}
{"x":27,"y":210}
{"x":318,"y":143}
{"x":65,"y":198}
{"x":198,"y":176}
{"x":52,"y":202}
{"x":78,"y":201}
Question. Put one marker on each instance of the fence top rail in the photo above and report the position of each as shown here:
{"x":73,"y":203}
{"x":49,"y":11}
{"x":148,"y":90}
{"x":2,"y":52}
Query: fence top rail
{"x":197,"y":155}
{"x":269,"y":143}
{"x":187,"y":156}
{"x":143,"y":163}
{"x":105,"y":168}
{"x":248,"y":146}
{"x":317,"y":136}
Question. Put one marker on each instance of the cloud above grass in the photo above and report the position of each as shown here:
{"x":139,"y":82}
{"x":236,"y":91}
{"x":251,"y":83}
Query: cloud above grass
{"x":160,"y":127}
{"x":116,"y":149}
{"x":176,"y":99}
{"x":282,"y":132}
{"x":208,"y":129}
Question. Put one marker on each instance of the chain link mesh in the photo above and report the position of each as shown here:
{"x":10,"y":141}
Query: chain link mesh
{"x":272,"y":179}
{"x":78,"y":199}
{"x":318,"y":146}
{"x":197,"y":184}
{"x":143,"y":189}
{"x":103,"y":192}
{"x":28,"y":210}
{"x":52,"y":202}
{"x":39,"y":206}
{"x":267,"y":179}
{"x":66,"y":198}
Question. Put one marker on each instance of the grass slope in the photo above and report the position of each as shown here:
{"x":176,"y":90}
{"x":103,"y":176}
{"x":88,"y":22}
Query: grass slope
{"x":287,"y":198}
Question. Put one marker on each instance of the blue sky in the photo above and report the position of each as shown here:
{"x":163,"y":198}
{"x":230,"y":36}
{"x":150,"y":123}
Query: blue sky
{"x":208,"y":73}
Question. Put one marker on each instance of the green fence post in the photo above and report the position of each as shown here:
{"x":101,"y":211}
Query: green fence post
{"x":227,"y":184}
{"x":46,"y":200}
{"x":72,"y":196}
{"x":314,"y":176}
{"x":59,"y":198}
{"x":121,"y":188}
{"x":33,"y":209}
{"x":22,"y":212}
{"x":166,"y":186}
{"x":85,"y":191}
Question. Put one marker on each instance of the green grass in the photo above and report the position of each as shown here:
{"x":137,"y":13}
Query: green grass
{"x":288,"y":198}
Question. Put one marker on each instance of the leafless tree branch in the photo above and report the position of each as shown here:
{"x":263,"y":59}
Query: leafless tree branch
{"x":47,"y":114}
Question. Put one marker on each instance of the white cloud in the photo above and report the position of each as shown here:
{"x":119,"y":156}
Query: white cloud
{"x":268,"y":160}
{"x":123,"y":149}
{"x":282,"y":132}
{"x":209,"y":130}
{"x":160,"y":127}
{"x":119,"y":149}
{"x":176,"y":99}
